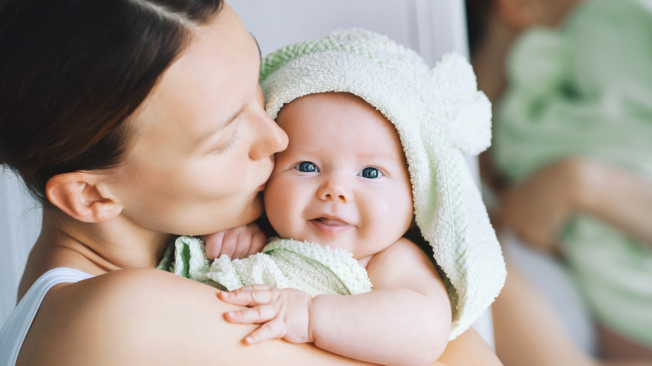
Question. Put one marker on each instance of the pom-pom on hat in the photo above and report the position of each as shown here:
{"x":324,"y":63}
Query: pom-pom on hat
{"x":439,"y":115}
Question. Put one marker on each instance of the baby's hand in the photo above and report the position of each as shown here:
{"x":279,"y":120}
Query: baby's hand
{"x":284,"y":313}
{"x":237,"y":243}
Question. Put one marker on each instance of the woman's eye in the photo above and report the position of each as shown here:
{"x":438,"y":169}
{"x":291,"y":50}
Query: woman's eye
{"x":371,"y":173}
{"x":307,"y":167}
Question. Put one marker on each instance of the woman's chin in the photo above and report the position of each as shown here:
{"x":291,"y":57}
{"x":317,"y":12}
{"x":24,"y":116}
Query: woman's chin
{"x":236,"y":215}
{"x":248,"y":214}
{"x":257,"y":207}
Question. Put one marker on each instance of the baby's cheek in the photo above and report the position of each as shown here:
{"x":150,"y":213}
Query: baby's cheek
{"x":280,"y":207}
{"x":390,"y":217}
{"x":281,"y":219}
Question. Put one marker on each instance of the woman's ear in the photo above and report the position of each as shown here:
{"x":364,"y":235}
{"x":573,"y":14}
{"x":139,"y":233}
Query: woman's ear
{"x":83,"y":196}
{"x":520,"y":14}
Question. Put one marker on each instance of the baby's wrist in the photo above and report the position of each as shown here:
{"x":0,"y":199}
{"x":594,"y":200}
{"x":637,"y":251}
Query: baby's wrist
{"x":316,"y":317}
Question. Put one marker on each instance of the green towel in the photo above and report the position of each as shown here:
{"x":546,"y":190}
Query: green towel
{"x":283,"y":263}
{"x":586,"y":90}
{"x":440,"y":116}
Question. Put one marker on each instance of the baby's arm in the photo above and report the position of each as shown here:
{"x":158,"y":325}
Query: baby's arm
{"x":404,"y":321}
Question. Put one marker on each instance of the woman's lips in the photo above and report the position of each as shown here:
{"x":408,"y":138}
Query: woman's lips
{"x":331,"y":226}
{"x":261,"y":187}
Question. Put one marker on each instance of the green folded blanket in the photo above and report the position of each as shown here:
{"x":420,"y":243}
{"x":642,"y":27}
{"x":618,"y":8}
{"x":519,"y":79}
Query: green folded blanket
{"x":283,"y":263}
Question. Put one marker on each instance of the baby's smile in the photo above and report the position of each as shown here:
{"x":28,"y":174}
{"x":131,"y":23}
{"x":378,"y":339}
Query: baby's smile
{"x":331,"y":225}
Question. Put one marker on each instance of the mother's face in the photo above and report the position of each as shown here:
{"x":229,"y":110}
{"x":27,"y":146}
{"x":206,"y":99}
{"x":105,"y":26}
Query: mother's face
{"x":203,"y":144}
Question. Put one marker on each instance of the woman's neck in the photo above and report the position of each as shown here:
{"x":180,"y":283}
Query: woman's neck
{"x":97,"y":247}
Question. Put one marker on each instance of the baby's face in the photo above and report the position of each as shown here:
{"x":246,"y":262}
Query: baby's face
{"x":343,"y":180}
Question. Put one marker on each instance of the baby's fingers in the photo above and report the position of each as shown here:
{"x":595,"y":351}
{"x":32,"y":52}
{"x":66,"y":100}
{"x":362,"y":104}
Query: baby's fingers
{"x":270,"y":330}
{"x":248,"y":296}
{"x":258,"y":314}
{"x":258,"y":241}
{"x":213,"y":244}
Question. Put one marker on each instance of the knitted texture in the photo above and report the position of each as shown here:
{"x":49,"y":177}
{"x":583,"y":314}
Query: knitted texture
{"x":439,"y":115}
{"x":283,"y":263}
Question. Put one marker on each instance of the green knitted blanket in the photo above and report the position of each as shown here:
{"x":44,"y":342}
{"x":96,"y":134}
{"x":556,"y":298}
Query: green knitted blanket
{"x":283,"y":263}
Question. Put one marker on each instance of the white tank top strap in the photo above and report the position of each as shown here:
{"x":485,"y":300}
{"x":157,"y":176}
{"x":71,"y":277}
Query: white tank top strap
{"x":14,"y":330}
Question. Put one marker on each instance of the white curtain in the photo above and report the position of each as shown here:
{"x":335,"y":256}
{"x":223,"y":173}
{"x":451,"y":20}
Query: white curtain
{"x":20,"y":225}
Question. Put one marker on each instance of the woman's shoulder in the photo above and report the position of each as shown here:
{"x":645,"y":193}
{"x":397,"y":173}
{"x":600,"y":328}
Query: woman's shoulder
{"x":133,"y":316}
{"x":148,"y":316}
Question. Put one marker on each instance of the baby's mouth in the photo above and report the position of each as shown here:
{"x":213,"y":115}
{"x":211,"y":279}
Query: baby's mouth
{"x":331,"y":226}
{"x":332,"y":222}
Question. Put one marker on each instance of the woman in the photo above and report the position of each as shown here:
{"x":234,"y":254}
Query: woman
{"x":565,"y":195}
{"x":133,"y":121}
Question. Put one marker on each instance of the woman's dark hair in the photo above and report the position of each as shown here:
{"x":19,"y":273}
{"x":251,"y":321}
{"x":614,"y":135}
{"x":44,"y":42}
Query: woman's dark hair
{"x":477,"y":16}
{"x":72,"y":71}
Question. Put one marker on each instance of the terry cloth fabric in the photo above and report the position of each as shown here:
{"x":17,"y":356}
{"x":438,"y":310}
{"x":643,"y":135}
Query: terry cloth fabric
{"x":283,"y":263}
{"x":586,"y":90}
{"x":439,"y":115}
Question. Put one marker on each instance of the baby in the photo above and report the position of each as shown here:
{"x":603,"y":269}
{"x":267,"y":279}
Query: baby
{"x":344,"y":183}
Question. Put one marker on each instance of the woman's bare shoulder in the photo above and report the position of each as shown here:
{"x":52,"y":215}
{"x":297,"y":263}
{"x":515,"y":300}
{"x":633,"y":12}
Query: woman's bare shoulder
{"x":469,"y":349}
{"x":145,"y":316}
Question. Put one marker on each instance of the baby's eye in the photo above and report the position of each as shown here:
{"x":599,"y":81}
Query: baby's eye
{"x":308,"y":167}
{"x":371,"y":173}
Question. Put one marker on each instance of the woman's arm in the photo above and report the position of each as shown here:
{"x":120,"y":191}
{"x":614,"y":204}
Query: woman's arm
{"x":469,"y":349}
{"x":618,"y":197}
{"x":538,"y":208}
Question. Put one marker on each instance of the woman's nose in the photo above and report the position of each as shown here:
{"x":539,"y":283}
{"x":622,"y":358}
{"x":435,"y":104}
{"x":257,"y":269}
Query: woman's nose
{"x":334,"y":189}
{"x":270,"y":138}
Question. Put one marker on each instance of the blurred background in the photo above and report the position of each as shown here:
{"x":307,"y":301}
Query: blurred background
{"x":568,"y":180}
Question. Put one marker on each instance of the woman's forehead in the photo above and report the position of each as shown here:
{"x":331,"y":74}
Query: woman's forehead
{"x":213,"y":79}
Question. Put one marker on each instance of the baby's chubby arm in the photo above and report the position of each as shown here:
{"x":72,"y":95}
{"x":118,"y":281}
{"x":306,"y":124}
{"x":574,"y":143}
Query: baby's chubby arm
{"x":404,"y":321}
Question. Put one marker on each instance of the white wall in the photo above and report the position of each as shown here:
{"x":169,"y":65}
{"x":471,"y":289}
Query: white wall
{"x":431,"y":27}
{"x":20,"y":224}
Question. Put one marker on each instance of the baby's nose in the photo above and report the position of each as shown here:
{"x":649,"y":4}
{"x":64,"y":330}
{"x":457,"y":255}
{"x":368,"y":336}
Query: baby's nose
{"x":334,"y":190}
{"x":340,"y":197}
